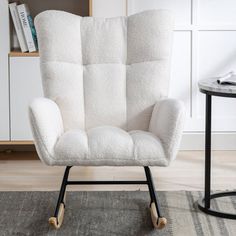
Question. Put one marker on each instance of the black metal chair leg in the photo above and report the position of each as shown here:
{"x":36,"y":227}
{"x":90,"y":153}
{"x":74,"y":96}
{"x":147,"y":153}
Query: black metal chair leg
{"x":57,"y":219}
{"x":151,"y":188}
{"x":146,"y":169}
{"x":158,"y":220}
{"x":62,"y":190}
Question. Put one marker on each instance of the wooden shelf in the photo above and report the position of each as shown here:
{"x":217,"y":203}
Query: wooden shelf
{"x":37,"y":7}
{"x":29,"y":142}
{"x":23,"y":54}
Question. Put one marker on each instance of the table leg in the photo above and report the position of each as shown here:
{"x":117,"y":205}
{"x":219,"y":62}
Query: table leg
{"x":208,"y":152}
{"x":204,"y":204}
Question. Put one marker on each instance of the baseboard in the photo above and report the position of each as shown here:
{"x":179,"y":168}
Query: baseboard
{"x":220,"y":141}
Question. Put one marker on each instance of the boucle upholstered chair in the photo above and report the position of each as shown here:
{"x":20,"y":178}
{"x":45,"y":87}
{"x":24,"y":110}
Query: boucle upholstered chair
{"x":106,"y":84}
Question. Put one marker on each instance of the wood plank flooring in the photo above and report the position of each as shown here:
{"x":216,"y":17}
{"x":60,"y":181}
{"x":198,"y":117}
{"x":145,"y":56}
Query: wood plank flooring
{"x":23,"y":171}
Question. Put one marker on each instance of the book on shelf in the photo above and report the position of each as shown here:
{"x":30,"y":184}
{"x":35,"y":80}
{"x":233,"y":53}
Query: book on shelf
{"x":18,"y":26}
{"x":14,"y":40}
{"x":227,"y":79}
{"x":28,"y":27}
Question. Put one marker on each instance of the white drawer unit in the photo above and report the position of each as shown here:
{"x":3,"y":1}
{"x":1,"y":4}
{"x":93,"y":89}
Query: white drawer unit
{"x":25,"y":85}
{"x":4,"y":86}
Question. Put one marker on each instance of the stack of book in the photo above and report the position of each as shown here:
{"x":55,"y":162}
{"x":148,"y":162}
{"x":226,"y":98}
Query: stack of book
{"x":25,"y":30}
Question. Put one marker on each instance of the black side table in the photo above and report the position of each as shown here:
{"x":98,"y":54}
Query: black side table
{"x":211,"y":88}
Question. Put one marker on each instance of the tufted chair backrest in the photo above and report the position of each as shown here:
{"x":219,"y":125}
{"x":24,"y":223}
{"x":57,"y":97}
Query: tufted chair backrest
{"x":105,"y":71}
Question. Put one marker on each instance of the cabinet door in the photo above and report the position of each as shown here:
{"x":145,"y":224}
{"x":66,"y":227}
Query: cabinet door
{"x":25,"y":84}
{"x":4,"y":90}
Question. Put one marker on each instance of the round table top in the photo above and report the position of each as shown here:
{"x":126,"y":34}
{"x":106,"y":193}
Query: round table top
{"x":210,"y":86}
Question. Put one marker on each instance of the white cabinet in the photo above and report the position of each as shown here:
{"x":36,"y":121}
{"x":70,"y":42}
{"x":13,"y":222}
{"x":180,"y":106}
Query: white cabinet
{"x":4,"y":87}
{"x":25,"y":84}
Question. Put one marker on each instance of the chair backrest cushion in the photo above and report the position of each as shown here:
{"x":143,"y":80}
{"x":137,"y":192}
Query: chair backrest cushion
{"x":105,"y":71}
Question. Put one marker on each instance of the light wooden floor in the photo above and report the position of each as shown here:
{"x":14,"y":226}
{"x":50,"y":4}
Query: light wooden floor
{"x":23,"y":171}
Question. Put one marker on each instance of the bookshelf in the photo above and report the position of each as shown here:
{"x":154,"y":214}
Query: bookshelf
{"x":18,"y":53}
{"x":78,"y":7}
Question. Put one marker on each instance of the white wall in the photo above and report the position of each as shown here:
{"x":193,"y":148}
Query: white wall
{"x":204,"y":46}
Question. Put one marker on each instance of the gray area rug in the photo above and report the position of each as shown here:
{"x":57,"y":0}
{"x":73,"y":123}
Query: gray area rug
{"x":110,"y":213}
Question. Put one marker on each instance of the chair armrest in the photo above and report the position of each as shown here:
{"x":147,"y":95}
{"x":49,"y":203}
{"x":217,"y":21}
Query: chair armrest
{"x":167,"y":122}
{"x":47,"y":127}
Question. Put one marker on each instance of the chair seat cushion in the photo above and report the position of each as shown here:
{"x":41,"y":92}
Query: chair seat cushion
{"x":109,"y":146}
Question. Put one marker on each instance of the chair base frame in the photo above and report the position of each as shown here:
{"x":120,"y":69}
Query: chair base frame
{"x":148,"y":182}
